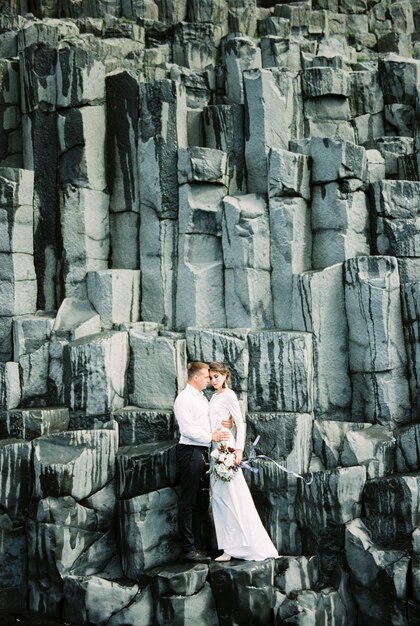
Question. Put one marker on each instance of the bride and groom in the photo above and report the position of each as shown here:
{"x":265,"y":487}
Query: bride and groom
{"x":239,"y":531}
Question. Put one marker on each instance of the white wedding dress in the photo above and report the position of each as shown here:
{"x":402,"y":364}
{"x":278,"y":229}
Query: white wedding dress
{"x":239,"y":530}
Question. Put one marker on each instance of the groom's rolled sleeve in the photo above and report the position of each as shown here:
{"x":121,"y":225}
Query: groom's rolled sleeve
{"x":191,"y":413}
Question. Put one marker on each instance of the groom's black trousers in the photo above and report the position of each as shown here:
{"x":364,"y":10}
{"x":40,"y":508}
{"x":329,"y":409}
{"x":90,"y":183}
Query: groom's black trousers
{"x":193,"y":493}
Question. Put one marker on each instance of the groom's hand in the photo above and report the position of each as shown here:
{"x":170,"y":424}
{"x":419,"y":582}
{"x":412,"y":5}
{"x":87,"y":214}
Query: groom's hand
{"x":220,"y":435}
{"x":227,"y":423}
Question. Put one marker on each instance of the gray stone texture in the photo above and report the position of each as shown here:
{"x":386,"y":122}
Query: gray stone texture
{"x":334,"y":499}
{"x":319,"y":308}
{"x":158,"y":240}
{"x":62,"y":545}
{"x":29,"y":424}
{"x":280,"y":371}
{"x":290,"y":253}
{"x":74,"y":463}
{"x":122,"y":111}
{"x":207,"y":180}
{"x":246,"y":255}
{"x":237,"y":589}
{"x":200,"y":280}
{"x":411,"y":317}
{"x":162,"y":132}
{"x":224,"y":130}
{"x":76,"y":319}
{"x":415,"y":564}
{"x":373,"y":309}
{"x":95,"y":373}
{"x":148,"y":526}
{"x":15,"y":478}
{"x":333,"y":159}
{"x":18,"y":287}
{"x":85,"y":230}
{"x":340,"y":223}
{"x":115,"y":295}
{"x":286,"y":437}
{"x":381,"y":397}
{"x":374,"y":570}
{"x":202,"y":165}
{"x":145,"y":468}
{"x":397,"y":208}
{"x":139,"y":426}
{"x":10,"y":391}
{"x":241,"y":53}
{"x":372,"y":447}
{"x":389,"y":521}
{"x":268,"y":92}
{"x":97,"y":600}
{"x":406,"y":455}
{"x":157,"y":370}
{"x":13,"y":577}
{"x":229,"y":346}
{"x":329,"y":437}
{"x":289,"y":174}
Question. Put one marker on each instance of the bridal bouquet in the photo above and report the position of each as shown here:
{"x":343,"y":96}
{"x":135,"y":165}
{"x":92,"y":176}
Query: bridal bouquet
{"x":224,"y":466}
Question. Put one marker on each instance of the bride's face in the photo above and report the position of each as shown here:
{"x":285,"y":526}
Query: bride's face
{"x":217,"y":379}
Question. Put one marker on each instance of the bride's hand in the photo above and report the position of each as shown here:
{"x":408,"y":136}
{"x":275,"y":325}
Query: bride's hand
{"x":238,"y":456}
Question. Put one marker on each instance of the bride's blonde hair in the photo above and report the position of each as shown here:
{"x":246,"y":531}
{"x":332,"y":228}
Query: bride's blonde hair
{"x":220,"y":368}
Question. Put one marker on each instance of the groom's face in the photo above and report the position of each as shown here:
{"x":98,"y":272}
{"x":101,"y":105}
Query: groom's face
{"x":202,"y":378}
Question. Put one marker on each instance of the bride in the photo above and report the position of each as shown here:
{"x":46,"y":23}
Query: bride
{"x":240,"y":533}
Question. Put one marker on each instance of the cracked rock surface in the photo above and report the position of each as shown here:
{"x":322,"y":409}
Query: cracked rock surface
{"x":212,"y":180}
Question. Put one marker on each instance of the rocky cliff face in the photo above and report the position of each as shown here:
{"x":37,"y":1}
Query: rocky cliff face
{"x":213,"y":180}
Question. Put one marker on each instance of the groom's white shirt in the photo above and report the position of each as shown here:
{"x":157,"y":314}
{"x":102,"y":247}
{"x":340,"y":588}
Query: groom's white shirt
{"x":191,"y":410}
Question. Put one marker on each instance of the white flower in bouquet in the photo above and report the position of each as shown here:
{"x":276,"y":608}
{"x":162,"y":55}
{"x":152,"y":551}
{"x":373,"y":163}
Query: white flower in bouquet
{"x":229,"y":460}
{"x":224,"y":467}
{"x":223,"y":472}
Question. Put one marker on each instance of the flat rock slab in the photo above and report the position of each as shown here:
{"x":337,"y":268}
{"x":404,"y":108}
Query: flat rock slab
{"x":139,"y":426}
{"x":30,"y":423}
{"x":183,"y":579}
{"x":145,"y":468}
{"x":95,"y":600}
{"x":243,"y":588}
{"x":76,"y":463}
{"x":199,"y":609}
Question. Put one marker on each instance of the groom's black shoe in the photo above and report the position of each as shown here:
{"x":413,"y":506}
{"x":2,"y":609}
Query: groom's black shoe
{"x":197,"y":557}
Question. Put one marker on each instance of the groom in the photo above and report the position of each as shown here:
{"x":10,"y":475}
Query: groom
{"x":191,"y":410}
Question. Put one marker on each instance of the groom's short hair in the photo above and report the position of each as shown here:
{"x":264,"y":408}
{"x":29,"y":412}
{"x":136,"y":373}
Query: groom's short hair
{"x":196,"y":366}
